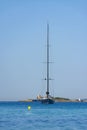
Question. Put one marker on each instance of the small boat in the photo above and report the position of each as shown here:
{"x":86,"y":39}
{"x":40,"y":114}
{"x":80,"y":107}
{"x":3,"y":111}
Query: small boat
{"x":47,"y":99}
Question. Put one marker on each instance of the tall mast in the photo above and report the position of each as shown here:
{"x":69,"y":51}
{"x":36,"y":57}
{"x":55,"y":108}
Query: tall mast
{"x":47,"y":93}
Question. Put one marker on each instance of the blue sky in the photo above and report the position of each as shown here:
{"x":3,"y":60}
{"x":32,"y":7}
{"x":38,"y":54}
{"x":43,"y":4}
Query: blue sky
{"x":23,"y":48}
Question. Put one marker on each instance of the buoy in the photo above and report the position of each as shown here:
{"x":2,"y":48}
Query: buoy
{"x":29,"y":107}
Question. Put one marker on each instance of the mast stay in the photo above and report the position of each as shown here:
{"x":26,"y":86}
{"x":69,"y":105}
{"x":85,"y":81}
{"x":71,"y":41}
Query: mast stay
{"x":47,"y":92}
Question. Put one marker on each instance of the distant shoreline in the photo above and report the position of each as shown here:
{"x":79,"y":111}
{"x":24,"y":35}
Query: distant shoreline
{"x":57,"y":99}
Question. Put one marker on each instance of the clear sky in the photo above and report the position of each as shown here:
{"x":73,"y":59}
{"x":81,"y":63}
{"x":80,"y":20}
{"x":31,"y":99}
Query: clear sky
{"x":23,"y":48}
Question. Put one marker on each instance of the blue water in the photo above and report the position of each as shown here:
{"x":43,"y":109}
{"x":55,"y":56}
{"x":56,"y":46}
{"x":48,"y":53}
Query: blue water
{"x":58,"y":116}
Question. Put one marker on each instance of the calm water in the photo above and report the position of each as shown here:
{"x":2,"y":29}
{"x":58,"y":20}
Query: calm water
{"x":59,"y":116}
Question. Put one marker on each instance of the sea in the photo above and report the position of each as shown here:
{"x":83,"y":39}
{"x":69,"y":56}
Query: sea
{"x":57,"y":116}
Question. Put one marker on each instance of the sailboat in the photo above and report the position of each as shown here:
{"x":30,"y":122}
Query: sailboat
{"x":47,"y":99}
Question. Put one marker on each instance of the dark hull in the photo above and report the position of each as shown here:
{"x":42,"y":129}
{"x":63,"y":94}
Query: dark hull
{"x":47,"y":101}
